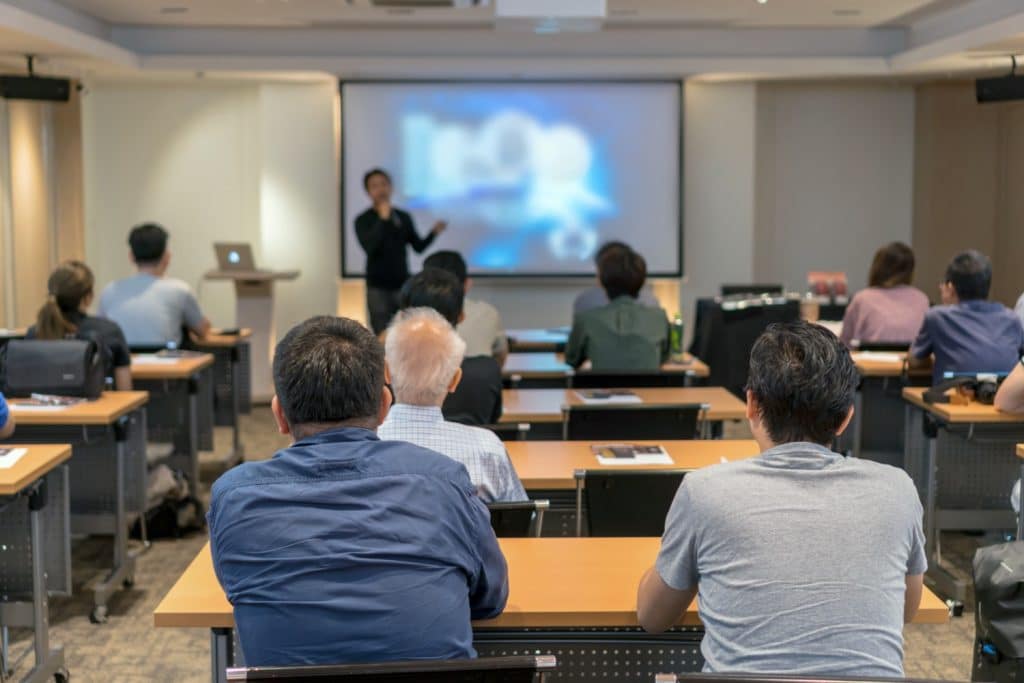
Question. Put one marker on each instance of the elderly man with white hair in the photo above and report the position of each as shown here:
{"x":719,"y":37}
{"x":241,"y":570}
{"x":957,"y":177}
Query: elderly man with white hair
{"x":423,"y":353}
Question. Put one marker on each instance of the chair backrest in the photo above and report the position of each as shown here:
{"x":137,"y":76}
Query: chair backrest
{"x":776,"y":678}
{"x":625,"y":502}
{"x":618,"y":352}
{"x":751,"y":288}
{"x":605,"y":379}
{"x":884,"y":346}
{"x":725,"y":332}
{"x":518,"y":520}
{"x":632,"y":421}
{"x":523,"y":669}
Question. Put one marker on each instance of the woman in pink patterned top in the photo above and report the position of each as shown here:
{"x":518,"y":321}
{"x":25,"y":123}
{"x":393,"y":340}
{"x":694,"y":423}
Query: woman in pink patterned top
{"x":890,"y":309}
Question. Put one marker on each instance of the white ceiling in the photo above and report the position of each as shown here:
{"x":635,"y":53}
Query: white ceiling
{"x":699,"y":13}
{"x":714,"y":39}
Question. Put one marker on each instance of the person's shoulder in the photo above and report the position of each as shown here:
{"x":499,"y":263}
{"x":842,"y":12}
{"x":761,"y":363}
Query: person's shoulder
{"x":408,"y":458}
{"x":365,"y":214}
{"x":884,"y":476}
{"x":481,"y":367}
{"x":482,"y":439}
{"x":247,"y":474}
{"x":101,"y":325}
{"x":481,"y":309}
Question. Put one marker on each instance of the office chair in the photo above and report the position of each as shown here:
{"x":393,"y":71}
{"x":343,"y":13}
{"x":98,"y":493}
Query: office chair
{"x":632,"y":421}
{"x":523,"y":669}
{"x":610,"y":379}
{"x":625,"y":502}
{"x":884,"y":346}
{"x":752,"y":288}
{"x":769,"y":678}
{"x":518,"y":520}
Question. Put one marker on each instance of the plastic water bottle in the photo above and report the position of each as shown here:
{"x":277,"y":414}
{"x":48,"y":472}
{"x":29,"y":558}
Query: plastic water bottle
{"x":676,"y":337}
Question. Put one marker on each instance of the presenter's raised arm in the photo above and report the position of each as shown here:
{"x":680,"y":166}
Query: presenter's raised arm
{"x":418,"y":243}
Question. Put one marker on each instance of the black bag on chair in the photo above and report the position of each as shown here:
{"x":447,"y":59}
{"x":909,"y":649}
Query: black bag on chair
{"x":999,"y":617}
{"x":66,"y":367}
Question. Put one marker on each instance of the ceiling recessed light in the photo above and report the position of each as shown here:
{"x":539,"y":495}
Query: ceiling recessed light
{"x":762,"y":2}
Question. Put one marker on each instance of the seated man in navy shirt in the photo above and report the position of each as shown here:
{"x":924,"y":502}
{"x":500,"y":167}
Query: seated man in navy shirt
{"x":968,"y":333}
{"x":342,"y":547}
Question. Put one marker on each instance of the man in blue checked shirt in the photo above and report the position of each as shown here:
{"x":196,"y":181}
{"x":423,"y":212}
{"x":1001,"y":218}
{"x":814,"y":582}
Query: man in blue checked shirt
{"x":342,"y":547}
{"x":423,"y":353}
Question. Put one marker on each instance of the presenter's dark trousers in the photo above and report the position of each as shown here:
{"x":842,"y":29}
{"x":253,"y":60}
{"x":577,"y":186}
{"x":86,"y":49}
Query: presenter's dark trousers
{"x":382,"y":305}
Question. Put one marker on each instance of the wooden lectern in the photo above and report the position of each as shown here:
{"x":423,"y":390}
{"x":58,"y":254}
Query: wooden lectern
{"x":254,"y":306}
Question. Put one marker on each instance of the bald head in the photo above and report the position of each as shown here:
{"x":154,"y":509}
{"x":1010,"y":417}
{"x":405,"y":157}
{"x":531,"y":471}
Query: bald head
{"x":423,"y":354}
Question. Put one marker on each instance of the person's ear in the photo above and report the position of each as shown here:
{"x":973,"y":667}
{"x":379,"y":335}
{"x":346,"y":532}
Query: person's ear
{"x":846,"y":422}
{"x":469,"y":285}
{"x":86,"y":301}
{"x":282,"y":423}
{"x":462,"y":316}
{"x":752,"y":407}
{"x":454,"y":384}
{"x":387,"y":399}
{"x":387,"y":373}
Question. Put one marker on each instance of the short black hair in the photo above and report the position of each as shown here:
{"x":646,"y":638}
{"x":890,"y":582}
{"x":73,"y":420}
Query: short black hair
{"x":451,"y":261}
{"x":970,"y":273}
{"x":606,"y":247}
{"x":328,"y":370}
{"x":437,"y":289}
{"x":148,"y":242}
{"x":622,"y":271}
{"x":372,"y":172}
{"x":804,"y":381}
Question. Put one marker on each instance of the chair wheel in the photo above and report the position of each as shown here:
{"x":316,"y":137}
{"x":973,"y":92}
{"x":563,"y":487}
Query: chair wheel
{"x":128,"y":582}
{"x":98,"y":614}
{"x":62,"y":676}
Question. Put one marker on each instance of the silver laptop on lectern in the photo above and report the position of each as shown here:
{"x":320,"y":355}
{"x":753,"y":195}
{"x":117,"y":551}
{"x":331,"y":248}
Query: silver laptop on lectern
{"x":234,"y":256}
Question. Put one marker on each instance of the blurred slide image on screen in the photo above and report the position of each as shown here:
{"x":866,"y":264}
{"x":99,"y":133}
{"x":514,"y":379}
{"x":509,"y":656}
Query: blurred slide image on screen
{"x":532,"y":177}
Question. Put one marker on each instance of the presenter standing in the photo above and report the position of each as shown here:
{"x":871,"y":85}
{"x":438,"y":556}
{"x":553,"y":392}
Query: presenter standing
{"x":384,"y":231}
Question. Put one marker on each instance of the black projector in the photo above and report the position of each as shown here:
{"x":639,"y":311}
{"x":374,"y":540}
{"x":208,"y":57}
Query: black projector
{"x":1002,"y":89}
{"x":35,"y":88}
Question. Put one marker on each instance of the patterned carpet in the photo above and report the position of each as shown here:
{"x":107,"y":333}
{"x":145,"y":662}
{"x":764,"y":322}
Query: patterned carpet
{"x":128,"y":648}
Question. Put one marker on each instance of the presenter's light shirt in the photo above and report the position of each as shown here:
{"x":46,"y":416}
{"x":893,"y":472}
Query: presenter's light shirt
{"x":344,"y":548}
{"x":150,"y":310}
{"x":971,"y":336}
{"x":801,"y":558}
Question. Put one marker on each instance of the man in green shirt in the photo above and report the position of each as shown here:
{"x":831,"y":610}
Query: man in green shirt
{"x":624,"y":334}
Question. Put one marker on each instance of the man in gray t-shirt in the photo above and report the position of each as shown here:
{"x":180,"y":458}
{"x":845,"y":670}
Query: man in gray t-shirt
{"x":808,"y":563}
{"x":151,"y":309}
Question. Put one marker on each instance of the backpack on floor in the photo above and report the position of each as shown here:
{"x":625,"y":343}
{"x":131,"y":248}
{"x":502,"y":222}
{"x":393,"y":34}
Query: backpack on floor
{"x":999,"y":613}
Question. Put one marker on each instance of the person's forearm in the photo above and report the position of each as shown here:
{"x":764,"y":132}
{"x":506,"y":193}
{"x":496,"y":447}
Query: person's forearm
{"x":123,"y":378}
{"x":659,"y":607}
{"x":1010,"y":397}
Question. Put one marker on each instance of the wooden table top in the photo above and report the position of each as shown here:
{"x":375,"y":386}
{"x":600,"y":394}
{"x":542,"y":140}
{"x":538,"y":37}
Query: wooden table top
{"x":1020,"y":451}
{"x":549,"y":364}
{"x":216,"y":339}
{"x":972,"y":412}
{"x":545,"y":405}
{"x":875,"y":364}
{"x":551,"y":464}
{"x":15,"y":333}
{"x":150,"y":367}
{"x":554,"y":582}
{"x":39,"y":460}
{"x":103,"y":411}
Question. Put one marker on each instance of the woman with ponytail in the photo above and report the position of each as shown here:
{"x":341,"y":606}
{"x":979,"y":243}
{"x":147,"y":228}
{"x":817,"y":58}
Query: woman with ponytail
{"x":64,"y":316}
